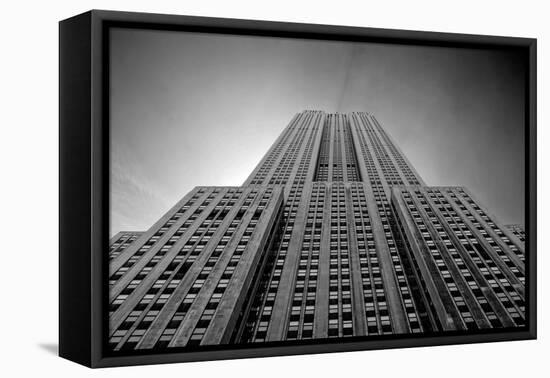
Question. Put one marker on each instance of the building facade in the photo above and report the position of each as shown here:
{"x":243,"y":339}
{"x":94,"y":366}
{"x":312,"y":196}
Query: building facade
{"x":189,"y":278}
{"x":518,"y":230}
{"x":334,"y":234}
{"x":121,"y":241}
{"x":470,"y":269}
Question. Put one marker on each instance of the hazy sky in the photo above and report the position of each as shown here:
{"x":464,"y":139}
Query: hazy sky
{"x":190,"y":109}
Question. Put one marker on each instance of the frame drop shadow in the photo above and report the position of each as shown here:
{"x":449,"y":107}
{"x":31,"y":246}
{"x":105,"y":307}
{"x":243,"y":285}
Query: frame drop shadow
{"x":52,"y":348}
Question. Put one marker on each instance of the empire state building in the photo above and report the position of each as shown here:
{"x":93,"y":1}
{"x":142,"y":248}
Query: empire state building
{"x":334,"y":234}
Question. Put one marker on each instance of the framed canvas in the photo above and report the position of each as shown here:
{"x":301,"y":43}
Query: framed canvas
{"x":235,"y":188}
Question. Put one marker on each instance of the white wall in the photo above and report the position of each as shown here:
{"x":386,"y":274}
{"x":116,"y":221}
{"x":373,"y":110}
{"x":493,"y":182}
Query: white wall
{"x":29,"y":216}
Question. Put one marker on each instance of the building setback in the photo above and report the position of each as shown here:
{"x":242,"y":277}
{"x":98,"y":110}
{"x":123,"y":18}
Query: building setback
{"x":518,"y":230}
{"x":470,"y":268}
{"x":121,"y":241}
{"x":334,"y":234}
{"x":188,"y":279}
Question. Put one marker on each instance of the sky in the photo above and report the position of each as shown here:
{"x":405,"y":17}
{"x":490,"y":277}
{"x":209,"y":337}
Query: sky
{"x":195,"y":109}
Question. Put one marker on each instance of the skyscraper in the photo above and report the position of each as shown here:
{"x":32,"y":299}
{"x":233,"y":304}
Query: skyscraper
{"x":334,"y":234}
{"x":121,"y":241}
{"x":518,"y":230}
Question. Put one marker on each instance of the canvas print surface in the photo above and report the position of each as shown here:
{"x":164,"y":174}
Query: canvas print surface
{"x":270,"y":190}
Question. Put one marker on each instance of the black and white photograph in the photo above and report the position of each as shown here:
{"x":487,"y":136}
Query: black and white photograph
{"x":269,"y":191}
{"x":273,"y":189}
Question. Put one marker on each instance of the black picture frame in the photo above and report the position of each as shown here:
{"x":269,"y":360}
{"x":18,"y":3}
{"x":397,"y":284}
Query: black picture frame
{"x":84,"y":163}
